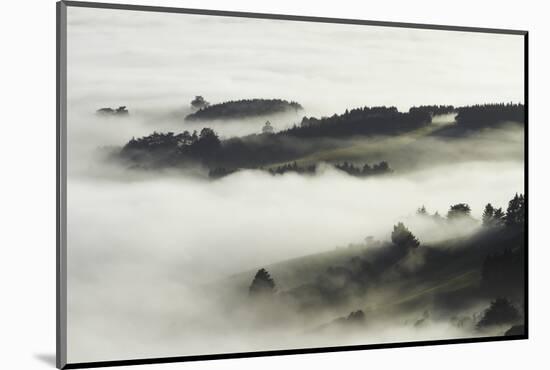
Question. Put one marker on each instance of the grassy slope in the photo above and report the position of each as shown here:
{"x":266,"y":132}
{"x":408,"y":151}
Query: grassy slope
{"x":363,"y":148}
{"x":451,"y":269}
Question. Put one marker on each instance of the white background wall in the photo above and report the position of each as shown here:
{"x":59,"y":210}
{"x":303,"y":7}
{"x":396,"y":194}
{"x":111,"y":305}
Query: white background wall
{"x":27,"y":168}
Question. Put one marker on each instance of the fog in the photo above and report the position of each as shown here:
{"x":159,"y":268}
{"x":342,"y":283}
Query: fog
{"x":152,"y":255}
{"x":141,"y":251}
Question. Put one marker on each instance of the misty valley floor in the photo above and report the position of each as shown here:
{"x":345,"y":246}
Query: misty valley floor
{"x":190,"y":294}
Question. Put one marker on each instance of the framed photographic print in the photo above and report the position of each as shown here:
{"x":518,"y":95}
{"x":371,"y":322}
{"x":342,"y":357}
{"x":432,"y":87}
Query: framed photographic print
{"x":238,"y":184}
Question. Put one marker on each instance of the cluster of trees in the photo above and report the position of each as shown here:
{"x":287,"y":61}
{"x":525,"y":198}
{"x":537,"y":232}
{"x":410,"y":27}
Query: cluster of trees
{"x":260,"y":150}
{"x":366,"y":170}
{"x":120,"y":111}
{"x":498,"y":253}
{"x":358,"y":171}
{"x":240,"y":108}
{"x":459,"y":210}
{"x":206,"y":148}
{"x":292,"y":167}
{"x":360,"y":121}
{"x":479,"y":116}
{"x":164,"y":149}
{"x":514,"y":216}
{"x":456,"y":211}
{"x":503,"y":271}
{"x":493,"y":216}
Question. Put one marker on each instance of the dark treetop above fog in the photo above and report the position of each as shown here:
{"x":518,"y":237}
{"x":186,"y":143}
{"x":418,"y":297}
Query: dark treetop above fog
{"x":168,"y":149}
{"x":240,"y":108}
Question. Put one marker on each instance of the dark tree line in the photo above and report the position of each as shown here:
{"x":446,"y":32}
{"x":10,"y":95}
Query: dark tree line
{"x":358,"y":171}
{"x":293,"y":167}
{"x":502,"y":270}
{"x":360,"y":121}
{"x":254,"y":151}
{"x":168,"y":149}
{"x":366,"y":170}
{"x":479,"y":116}
{"x":514,"y":216}
{"x":350,"y":169}
{"x":240,"y":108}
{"x":456,"y":211}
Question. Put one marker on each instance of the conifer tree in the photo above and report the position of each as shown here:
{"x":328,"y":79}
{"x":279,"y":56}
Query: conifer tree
{"x":499,"y":217}
{"x":515,"y":214}
{"x":262,"y":284}
{"x":488,"y":215}
{"x":401,"y":236}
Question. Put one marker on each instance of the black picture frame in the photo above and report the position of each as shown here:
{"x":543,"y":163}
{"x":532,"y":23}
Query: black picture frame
{"x":61,"y":183}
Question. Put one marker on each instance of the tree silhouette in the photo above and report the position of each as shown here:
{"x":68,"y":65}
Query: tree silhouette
{"x":501,"y":311}
{"x":422,"y":211}
{"x":488,"y":215}
{"x":515,"y":214}
{"x":458,"y":211}
{"x":499,"y":217}
{"x":402,"y":237}
{"x":262,"y":284}
{"x":199,"y":102}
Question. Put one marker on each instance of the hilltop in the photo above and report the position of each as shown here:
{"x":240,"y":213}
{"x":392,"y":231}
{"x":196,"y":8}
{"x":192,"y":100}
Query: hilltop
{"x":243,"y":108}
